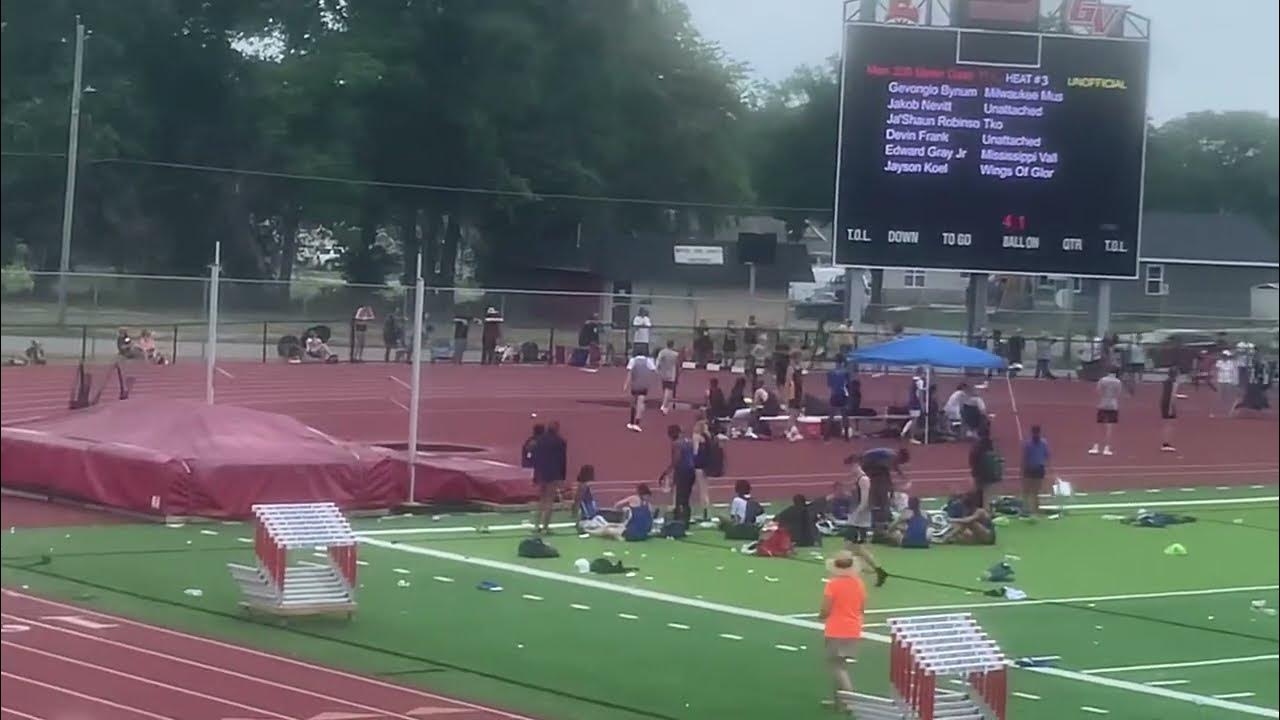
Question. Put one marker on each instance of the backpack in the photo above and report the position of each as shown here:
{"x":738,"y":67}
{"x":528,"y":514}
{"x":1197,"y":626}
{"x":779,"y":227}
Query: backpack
{"x":675,"y":529}
{"x":534,"y":548}
{"x":604,"y":566}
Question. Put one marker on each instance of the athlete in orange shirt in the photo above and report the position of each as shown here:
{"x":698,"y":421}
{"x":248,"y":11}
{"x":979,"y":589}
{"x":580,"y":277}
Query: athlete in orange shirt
{"x":843,"y":603}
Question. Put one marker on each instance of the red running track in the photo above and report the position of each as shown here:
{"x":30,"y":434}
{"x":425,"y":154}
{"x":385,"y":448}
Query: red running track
{"x":63,"y":662}
{"x":490,"y":407}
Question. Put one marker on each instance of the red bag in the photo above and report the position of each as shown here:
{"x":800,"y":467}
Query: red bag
{"x":776,"y":544}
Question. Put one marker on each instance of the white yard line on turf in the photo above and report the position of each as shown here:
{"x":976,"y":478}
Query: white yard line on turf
{"x":1190,"y":663}
{"x":1153,"y":502}
{"x":1058,"y":601}
{"x":1192,"y":698}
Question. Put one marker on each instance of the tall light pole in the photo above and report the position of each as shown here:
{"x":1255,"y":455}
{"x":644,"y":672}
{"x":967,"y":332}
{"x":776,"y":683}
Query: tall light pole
{"x":73,"y":150}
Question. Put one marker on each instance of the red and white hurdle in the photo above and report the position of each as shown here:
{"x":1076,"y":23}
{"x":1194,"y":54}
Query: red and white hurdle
{"x":273,"y":586}
{"x":931,"y":648}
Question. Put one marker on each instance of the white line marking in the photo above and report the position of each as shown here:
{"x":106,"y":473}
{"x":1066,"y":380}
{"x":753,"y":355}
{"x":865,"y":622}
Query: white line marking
{"x":730,"y":636}
{"x":1025,"y":696}
{"x":281,"y":659}
{"x":244,"y":540}
{"x":442,"y":578}
{"x":399,"y":382}
{"x":20,"y":714}
{"x":1153,"y":490}
{"x":1256,"y":487}
{"x":788,"y":648}
{"x":678,"y":626}
{"x":1162,"y":683}
{"x":459,"y":529}
{"x":148,"y":681}
{"x":399,"y":404}
{"x":579,"y":606}
{"x":1230,"y":696}
{"x":1094,"y":710}
{"x":225,"y":374}
{"x":90,"y":698}
{"x":628,"y":616}
{"x":1192,"y":663}
{"x":1186,"y":697}
{"x":1169,"y":503}
{"x":1183,"y":490}
{"x":532,"y":597}
{"x":1056,"y":601}
{"x":208,"y":532}
{"x":400,"y":571}
{"x":1118,"y":492}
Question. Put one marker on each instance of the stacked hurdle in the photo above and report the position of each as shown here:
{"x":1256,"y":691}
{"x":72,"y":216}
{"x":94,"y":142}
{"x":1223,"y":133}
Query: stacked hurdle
{"x":930,"y":648}
{"x":307,"y":588}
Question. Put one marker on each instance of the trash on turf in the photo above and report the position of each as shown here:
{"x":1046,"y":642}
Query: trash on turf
{"x":1238,"y":521}
{"x":582,"y":565}
{"x":1257,"y":603}
{"x":1175,"y":549}
{"x":1000,"y":572}
{"x":193,"y":592}
{"x":489,"y":586}
{"x":770,"y":579}
{"x":584,"y":536}
{"x":403,"y":583}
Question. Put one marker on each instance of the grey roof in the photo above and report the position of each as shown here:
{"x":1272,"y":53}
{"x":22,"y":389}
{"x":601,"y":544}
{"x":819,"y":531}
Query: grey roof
{"x":1207,"y":238}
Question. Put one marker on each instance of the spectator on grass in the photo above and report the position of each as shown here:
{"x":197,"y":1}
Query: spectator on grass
{"x":800,"y":522}
{"x":911,"y":529}
{"x":590,"y":514}
{"x":360,"y":330}
{"x":550,"y":464}
{"x":844,"y":600}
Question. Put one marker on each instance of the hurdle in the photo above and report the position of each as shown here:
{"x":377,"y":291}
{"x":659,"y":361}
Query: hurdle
{"x":928,"y":647}
{"x":272,"y":586}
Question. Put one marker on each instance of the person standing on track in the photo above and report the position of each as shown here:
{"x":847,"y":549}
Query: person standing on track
{"x":640,"y":374}
{"x":641,"y":332}
{"x":1035,"y":464}
{"x":668,"y":369}
{"x":1109,"y":389}
{"x":1228,"y":375}
{"x":360,"y":330}
{"x":1168,"y":409}
{"x":550,"y":464}
{"x":490,"y":336}
{"x":915,"y":408}
{"x":461,"y":327}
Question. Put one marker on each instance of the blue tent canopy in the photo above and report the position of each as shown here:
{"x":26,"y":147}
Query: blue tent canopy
{"x":927,"y":350}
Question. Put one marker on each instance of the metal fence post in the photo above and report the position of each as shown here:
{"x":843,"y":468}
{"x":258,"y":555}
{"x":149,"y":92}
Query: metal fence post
{"x":551,"y":346}
{"x":264,"y":343}
{"x":173,"y":357}
{"x":84,"y":342}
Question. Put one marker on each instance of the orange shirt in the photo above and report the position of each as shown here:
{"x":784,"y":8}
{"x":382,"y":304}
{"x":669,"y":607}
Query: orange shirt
{"x":848,"y":600}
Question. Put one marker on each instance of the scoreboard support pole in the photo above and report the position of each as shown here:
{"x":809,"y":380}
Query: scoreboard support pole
{"x":976,"y":305}
{"x":1103,"y":319}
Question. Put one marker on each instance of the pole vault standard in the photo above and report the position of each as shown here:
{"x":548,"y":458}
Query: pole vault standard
{"x":415,"y":383}
{"x":211,"y":338}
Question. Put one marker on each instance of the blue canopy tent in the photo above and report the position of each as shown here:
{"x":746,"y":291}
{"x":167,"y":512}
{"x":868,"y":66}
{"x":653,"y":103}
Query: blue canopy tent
{"x":929,"y":351}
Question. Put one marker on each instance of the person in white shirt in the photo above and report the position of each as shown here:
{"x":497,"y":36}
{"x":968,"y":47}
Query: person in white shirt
{"x":640,"y":375}
{"x":642,"y":329}
{"x":1228,"y":371}
{"x":952,"y":409}
{"x":668,"y":364}
{"x":1109,"y":389}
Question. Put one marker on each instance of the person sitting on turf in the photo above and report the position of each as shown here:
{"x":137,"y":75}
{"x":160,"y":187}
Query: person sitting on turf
{"x":590,"y":514}
{"x":639,"y":518}
{"x":745,"y":514}
{"x":969,"y":522}
{"x":911,"y":529}
{"x":799,"y":522}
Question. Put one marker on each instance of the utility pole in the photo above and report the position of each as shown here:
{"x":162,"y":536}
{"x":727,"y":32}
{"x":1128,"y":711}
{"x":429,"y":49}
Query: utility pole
{"x":73,"y":150}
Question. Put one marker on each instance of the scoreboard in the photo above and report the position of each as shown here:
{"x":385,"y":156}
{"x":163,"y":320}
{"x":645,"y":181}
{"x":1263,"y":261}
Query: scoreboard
{"x":983,"y":151}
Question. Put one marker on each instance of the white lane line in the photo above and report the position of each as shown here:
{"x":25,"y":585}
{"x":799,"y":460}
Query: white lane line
{"x":532,"y":597}
{"x":91,"y":698}
{"x":1061,"y":601}
{"x":788,"y":648}
{"x":579,"y":606}
{"x":628,"y":616}
{"x":1191,"y":698}
{"x":1229,"y":696}
{"x":677,"y":626}
{"x":1165,"y":683}
{"x":399,"y":382}
{"x":1094,"y":710}
{"x":1025,"y":696}
{"x":730,"y":636}
{"x":147,"y":681}
{"x":1190,"y":663}
{"x":225,"y":374}
{"x":399,"y":404}
{"x":1168,"y":503}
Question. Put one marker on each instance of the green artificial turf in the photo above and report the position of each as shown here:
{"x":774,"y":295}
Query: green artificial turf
{"x":546,"y":657}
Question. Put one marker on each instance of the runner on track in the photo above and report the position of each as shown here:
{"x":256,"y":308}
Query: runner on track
{"x":1109,"y":389}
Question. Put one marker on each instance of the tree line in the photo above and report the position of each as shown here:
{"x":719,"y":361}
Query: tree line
{"x":543,"y":104}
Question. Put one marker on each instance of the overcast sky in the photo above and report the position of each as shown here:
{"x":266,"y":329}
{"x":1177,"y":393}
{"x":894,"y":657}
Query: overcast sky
{"x":1205,"y":54}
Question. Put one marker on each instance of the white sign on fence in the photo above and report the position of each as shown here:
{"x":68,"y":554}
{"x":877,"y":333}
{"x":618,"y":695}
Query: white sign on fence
{"x":699,"y":255}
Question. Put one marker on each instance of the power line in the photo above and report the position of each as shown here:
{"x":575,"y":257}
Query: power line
{"x":532,"y":194}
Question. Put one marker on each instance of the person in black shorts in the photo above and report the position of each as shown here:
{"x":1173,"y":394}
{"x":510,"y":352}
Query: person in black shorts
{"x":1168,"y":409}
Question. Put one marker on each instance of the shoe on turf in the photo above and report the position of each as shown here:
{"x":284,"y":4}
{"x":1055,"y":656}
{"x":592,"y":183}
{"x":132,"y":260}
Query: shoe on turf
{"x":1093,"y":450}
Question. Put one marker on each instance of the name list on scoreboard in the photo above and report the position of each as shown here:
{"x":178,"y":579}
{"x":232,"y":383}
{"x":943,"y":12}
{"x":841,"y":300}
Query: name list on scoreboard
{"x":960,"y":120}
